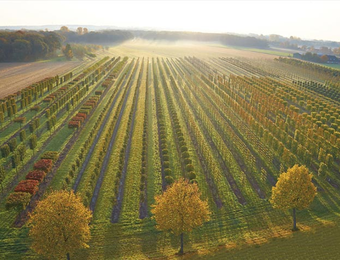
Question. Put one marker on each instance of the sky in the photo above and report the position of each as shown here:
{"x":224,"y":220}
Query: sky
{"x":305,"y":19}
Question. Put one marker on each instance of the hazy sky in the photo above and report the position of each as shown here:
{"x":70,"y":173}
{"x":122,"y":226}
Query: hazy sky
{"x":306,"y":19}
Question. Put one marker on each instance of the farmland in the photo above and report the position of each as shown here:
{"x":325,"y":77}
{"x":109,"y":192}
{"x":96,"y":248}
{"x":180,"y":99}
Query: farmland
{"x":15,"y":76}
{"x":119,"y":129}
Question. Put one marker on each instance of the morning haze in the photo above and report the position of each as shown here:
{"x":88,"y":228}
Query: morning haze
{"x":169,"y":130}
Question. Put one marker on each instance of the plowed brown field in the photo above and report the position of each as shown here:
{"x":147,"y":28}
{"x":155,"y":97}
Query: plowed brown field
{"x":15,"y":76}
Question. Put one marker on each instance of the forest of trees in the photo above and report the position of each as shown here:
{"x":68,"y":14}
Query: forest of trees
{"x":33,"y":45}
{"x":28,"y":45}
{"x":83,"y":36}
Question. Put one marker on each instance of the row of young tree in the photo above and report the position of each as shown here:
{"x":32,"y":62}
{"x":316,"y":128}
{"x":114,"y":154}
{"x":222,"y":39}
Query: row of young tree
{"x":60,"y":223}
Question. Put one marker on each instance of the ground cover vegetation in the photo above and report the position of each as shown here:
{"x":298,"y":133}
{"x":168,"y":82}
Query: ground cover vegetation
{"x":120,"y":131}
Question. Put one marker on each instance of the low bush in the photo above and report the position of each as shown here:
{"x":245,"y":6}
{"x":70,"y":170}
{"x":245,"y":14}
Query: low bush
{"x":43,"y":165}
{"x":29,"y":186}
{"x":18,"y":200}
{"x":37,"y":175}
{"x":52,"y":155}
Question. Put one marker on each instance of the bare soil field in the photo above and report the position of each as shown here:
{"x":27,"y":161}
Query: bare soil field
{"x":143,"y":48}
{"x":15,"y":76}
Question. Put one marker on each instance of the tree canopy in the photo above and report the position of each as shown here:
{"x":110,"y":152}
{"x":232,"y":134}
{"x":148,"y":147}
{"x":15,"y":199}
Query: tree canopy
{"x":28,"y":45}
{"x":60,"y":225}
{"x":179,"y":209}
{"x":294,"y":190}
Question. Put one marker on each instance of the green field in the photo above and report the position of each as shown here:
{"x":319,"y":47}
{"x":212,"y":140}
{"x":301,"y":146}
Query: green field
{"x":239,"y":117}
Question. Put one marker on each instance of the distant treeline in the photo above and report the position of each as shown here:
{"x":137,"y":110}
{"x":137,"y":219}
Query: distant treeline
{"x":28,"y":46}
{"x":80,"y":50}
{"x":226,"y":39}
{"x":33,"y":45}
{"x":313,"y":67}
{"x":83,"y":36}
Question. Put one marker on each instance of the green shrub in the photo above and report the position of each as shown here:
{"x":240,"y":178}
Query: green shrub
{"x":169,"y":180}
{"x":189,"y":167}
{"x":167,"y":172}
{"x":166,"y":164}
{"x":5,"y":151}
{"x":192,"y":175}
{"x":12,"y":144}
{"x":18,"y":200}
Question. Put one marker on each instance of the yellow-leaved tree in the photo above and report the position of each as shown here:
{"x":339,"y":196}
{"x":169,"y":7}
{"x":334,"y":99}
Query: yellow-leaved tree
{"x":294,"y":190}
{"x":60,"y":225}
{"x":179,"y":209}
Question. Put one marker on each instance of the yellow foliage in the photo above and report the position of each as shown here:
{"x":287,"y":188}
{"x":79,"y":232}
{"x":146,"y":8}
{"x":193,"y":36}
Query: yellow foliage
{"x":60,"y":225}
{"x":294,"y":189}
{"x":179,"y":209}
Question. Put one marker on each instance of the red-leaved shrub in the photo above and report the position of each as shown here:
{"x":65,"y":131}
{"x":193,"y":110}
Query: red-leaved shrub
{"x":73,"y":124}
{"x":37,"y":175}
{"x":83,"y":115}
{"x":43,"y":165}
{"x":29,"y":186}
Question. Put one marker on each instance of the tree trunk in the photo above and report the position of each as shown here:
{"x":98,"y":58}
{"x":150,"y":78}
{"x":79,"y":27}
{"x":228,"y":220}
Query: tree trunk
{"x":181,"y":250}
{"x":294,"y":220}
{"x":68,"y":256}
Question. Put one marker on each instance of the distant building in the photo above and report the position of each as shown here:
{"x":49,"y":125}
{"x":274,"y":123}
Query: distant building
{"x":297,"y":56}
{"x":332,"y":59}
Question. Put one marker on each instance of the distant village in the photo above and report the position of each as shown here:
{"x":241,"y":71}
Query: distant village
{"x":317,"y":57}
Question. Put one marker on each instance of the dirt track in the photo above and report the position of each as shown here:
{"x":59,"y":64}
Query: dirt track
{"x":15,"y":76}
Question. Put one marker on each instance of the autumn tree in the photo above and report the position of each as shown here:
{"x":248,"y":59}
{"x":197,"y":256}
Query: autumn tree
{"x":179,"y":209}
{"x":60,"y":225}
{"x":64,"y":29}
{"x":68,"y":52}
{"x":80,"y":30}
{"x":294,"y":190}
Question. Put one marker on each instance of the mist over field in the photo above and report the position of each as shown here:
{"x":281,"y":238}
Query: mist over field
{"x":169,"y":130}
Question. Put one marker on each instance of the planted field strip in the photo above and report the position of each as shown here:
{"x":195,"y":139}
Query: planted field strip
{"x":171,"y":156}
{"x":58,"y":105}
{"x":92,"y":171}
{"x":238,"y":148}
{"x":84,"y":145}
{"x":160,"y":123}
{"x":91,"y":174}
{"x":61,"y":95}
{"x":109,"y":149}
{"x":223,"y":156}
{"x":231,"y":125}
{"x":205,"y":147}
{"x":44,"y":140}
{"x":24,"y":215}
{"x":130,"y":181}
{"x":247,"y":166}
{"x":189,"y":157}
{"x":187,"y":167}
{"x":143,"y":202}
{"x":112,"y":101}
{"x":329,"y":180}
{"x":107,"y":197}
{"x":235,"y":122}
{"x":155,"y":178}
